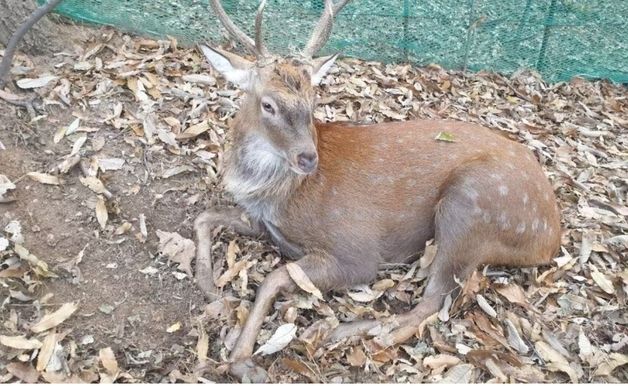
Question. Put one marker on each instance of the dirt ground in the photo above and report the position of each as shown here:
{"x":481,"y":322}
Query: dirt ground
{"x":134,"y":103}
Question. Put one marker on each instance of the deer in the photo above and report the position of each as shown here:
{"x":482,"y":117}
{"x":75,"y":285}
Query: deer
{"x":344,"y":198}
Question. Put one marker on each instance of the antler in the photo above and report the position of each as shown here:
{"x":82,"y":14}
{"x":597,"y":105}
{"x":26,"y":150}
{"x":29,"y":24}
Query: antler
{"x":321,"y":33}
{"x":254,"y":46}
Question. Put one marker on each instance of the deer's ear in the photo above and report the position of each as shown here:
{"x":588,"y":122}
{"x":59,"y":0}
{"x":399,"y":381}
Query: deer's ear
{"x":320,"y":67}
{"x":234,"y":68}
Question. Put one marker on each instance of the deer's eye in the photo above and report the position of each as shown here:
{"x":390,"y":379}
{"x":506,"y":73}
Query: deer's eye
{"x":268,"y":108}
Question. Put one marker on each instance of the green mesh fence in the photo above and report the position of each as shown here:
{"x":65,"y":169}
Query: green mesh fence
{"x":558,"y":38}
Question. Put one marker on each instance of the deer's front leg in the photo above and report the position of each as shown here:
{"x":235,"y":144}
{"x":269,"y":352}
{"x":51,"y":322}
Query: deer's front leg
{"x":325,"y":272}
{"x":203,"y":225}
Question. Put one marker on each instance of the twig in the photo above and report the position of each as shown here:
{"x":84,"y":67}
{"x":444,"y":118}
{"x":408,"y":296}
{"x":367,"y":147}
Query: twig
{"x":9,"y":51}
{"x":27,"y":103}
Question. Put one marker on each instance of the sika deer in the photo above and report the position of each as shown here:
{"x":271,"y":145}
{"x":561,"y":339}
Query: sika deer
{"x":345,"y":198}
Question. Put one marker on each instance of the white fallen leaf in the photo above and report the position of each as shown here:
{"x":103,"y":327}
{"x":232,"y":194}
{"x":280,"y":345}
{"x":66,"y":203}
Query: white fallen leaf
{"x":44,"y":178}
{"x":76,"y":147}
{"x":5,"y":185}
{"x":485,"y":306}
{"x":73,"y":127}
{"x":27,"y":83}
{"x":101,"y":212}
{"x":149,"y":271}
{"x":14,"y":228}
{"x":280,"y":339}
{"x":4,"y":244}
{"x":302,"y":280}
{"x":110,"y":164}
{"x":143,"y":230}
{"x":54,"y":319}
{"x":443,"y":314}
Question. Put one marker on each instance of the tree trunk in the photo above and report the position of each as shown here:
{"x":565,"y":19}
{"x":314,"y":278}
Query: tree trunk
{"x":46,"y":37}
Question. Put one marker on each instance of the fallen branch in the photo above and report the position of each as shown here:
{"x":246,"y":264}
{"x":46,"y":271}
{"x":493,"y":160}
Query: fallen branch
{"x":11,"y":47}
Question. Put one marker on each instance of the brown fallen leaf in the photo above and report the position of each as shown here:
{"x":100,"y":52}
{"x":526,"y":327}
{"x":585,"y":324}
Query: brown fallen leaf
{"x":230,"y":273}
{"x":54,"y":319}
{"x":178,"y":249}
{"x":356,"y":357}
{"x":513,"y":293}
{"x":440,"y":360}
{"x":302,"y":280}
{"x":95,"y":185}
{"x":23,"y":371}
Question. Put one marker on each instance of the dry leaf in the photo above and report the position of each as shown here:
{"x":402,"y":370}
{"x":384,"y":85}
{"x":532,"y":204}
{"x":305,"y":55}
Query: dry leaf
{"x":356,"y":357}
{"x":178,"y":249}
{"x":95,"y":185}
{"x":440,"y":360}
{"x":175,"y":327}
{"x":23,"y":371}
{"x":28,"y":83}
{"x":202,"y":345}
{"x":20,"y":342}
{"x":108,"y":361}
{"x":601,"y":280}
{"x":101,"y":212}
{"x":230,"y":273}
{"x":47,"y":349}
{"x":280,"y":339}
{"x":461,"y":373}
{"x":302,"y":280}
{"x":44,"y":178}
{"x":54,"y":319}
{"x":485,"y":306}
{"x":5,"y":186}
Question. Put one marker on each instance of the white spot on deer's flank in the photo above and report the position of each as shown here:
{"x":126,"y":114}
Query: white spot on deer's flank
{"x":503,"y":190}
{"x":521,"y":228}
{"x":535,"y":224}
{"x":496,"y":176}
{"x":486,"y":217}
{"x":544,"y":225}
{"x":503,"y":219}
{"x":525,"y":198}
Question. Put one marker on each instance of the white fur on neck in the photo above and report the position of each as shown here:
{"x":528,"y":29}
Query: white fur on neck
{"x":258,"y":177}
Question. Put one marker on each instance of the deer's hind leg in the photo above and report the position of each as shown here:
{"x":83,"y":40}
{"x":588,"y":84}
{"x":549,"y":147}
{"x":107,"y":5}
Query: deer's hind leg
{"x":466,"y":236}
{"x":203,"y":225}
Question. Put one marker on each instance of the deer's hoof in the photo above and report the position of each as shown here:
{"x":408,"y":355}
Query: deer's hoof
{"x":248,"y":372}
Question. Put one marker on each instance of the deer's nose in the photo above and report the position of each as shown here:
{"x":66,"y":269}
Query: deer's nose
{"x":307,"y":161}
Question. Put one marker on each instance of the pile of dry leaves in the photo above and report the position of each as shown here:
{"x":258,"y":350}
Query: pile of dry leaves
{"x":136,"y":119}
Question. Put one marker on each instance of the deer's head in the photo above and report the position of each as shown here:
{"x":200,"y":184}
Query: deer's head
{"x":280,"y":96}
